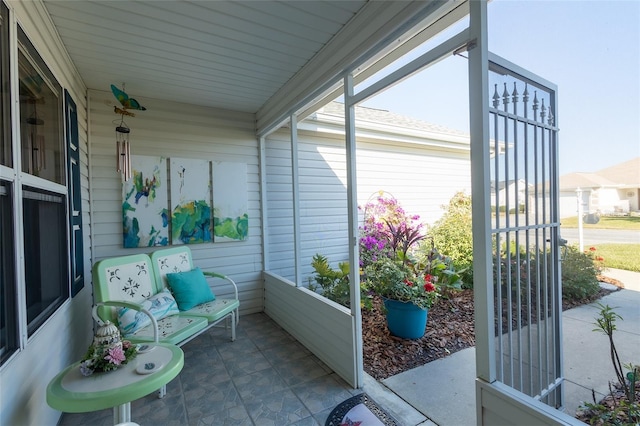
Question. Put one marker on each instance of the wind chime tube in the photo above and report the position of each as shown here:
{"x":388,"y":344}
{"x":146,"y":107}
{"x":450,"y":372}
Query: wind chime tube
{"x":127,"y":174}
{"x":118,"y":155}
{"x":123,"y":152}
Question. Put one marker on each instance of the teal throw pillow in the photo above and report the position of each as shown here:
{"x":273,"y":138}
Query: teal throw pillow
{"x":160,"y":305}
{"x":190,"y":288}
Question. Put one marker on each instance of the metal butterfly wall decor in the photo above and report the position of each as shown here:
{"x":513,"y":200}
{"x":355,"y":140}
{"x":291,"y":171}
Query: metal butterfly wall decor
{"x":126,"y":102}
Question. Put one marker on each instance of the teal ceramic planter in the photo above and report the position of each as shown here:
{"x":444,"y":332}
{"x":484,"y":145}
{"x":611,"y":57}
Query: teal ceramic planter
{"x":405,"y":319}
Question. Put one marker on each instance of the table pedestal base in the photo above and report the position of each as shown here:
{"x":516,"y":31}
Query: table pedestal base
{"x":122,"y":413}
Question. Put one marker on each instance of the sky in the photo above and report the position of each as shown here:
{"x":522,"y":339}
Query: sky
{"x":589,"y":49}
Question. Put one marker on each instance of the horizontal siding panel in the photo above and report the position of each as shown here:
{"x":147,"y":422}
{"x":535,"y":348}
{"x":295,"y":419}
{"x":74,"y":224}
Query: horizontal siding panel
{"x":434,"y":176}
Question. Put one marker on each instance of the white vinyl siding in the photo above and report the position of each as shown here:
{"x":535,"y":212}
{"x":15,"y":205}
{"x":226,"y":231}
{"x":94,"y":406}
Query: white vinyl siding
{"x":421,"y":177}
{"x":178,"y":130}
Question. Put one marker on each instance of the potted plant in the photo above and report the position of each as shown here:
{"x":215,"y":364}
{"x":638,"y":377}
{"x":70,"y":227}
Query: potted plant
{"x":396,"y":265}
{"x":407,"y":295}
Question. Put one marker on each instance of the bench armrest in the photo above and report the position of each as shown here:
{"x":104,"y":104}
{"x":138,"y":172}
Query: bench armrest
{"x":224,"y":277}
{"x":130,"y":305}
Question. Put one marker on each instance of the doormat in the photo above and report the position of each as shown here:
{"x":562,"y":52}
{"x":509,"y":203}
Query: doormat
{"x":360,"y":410}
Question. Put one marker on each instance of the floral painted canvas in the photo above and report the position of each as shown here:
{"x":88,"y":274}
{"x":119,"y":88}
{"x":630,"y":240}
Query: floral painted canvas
{"x":144,"y":203}
{"x":190,"y":201}
{"x":230,"y":217}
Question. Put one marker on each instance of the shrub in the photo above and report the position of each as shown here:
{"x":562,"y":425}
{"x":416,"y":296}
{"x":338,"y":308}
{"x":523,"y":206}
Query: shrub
{"x":453,"y":237}
{"x":333,"y":284}
{"x":579,"y":275}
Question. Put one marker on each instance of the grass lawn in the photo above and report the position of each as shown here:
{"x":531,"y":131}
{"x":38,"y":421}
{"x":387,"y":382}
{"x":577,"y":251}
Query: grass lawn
{"x":620,"y":256}
{"x":613,"y":222}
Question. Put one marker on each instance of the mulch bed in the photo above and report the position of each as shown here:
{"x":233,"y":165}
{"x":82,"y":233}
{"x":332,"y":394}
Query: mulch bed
{"x":450,"y":328}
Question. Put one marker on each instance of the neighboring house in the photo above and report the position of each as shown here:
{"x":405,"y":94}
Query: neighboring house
{"x":613,"y":190}
{"x":513,"y":190}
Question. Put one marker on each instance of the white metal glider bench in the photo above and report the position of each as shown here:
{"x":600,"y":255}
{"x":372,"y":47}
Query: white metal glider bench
{"x":167,"y":286}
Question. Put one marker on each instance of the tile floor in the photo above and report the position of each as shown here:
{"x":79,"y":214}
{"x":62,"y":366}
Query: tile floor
{"x":265,"y":378}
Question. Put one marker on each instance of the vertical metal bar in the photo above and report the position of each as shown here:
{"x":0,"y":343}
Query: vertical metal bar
{"x":507,"y":239}
{"x":497,"y":298}
{"x":525,"y":101}
{"x":516,"y":176}
{"x":537,"y":244}
{"x":480,"y":190}
{"x":554,"y":265}
{"x":545,"y":299}
{"x":295,"y":189}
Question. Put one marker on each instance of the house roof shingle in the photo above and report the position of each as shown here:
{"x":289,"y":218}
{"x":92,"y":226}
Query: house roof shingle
{"x":623,"y":175}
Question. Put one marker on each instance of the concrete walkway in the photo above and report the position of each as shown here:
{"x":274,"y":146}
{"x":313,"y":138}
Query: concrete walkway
{"x":443,"y":391}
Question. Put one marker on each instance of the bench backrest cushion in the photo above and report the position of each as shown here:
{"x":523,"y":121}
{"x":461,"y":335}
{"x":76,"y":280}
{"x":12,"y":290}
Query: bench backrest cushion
{"x":171,"y":260}
{"x":125,"y":278}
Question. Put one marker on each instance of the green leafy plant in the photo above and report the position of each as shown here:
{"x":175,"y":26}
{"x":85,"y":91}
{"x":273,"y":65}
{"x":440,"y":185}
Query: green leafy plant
{"x":442,"y":270}
{"x":606,"y":323}
{"x":398,"y":280}
{"x":627,"y":410}
{"x":332,"y":283}
{"x":579,"y":275}
{"x":453,"y":237}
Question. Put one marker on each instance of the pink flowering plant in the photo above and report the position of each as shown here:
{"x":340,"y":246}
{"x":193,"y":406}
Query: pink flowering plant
{"x":381,"y":218}
{"x":101,"y":358}
{"x":396,"y":261}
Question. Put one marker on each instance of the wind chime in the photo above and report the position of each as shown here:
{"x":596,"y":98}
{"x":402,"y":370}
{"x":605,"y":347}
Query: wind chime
{"x":123,"y":147}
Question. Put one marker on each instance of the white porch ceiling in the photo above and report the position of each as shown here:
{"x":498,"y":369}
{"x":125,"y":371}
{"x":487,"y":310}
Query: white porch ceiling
{"x":228,"y":54}
{"x":265,"y":57}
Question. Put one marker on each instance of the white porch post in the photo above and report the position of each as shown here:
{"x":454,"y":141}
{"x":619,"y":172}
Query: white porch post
{"x":580,"y":213}
{"x":262,"y":163}
{"x":480,"y":192}
{"x":352,"y":208}
{"x":295,"y":188}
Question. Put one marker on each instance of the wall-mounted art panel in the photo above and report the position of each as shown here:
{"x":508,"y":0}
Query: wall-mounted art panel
{"x":190,"y":201}
{"x":145,"y":216}
{"x":230,"y":203}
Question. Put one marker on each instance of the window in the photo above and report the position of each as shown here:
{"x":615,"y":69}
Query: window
{"x":45,"y":206}
{"x":39,"y":203}
{"x":8,"y":319}
{"x":40,"y":121}
{"x":45,"y":262}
